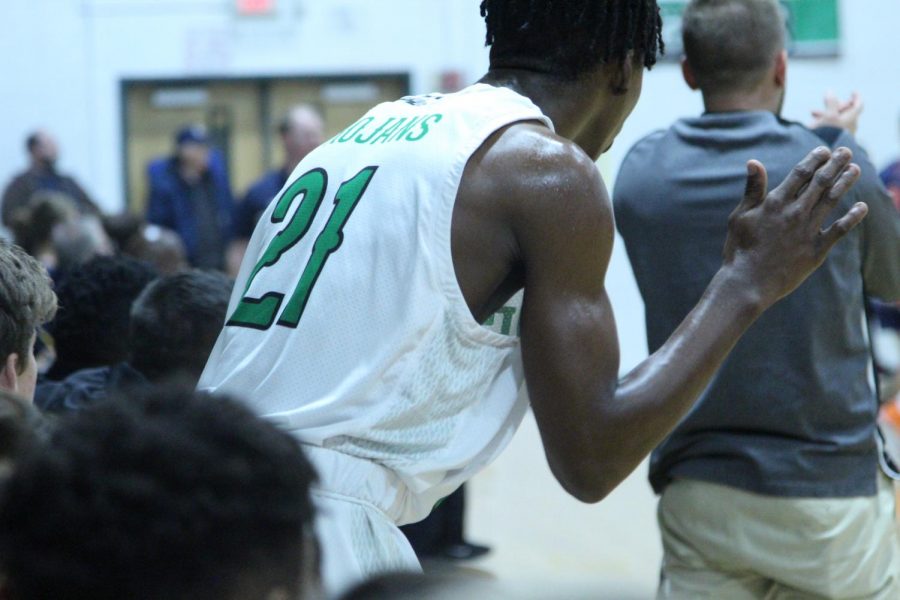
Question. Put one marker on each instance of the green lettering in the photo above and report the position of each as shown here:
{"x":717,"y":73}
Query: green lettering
{"x":403,"y":131}
{"x":361,"y":140}
{"x":424,"y":127}
{"x":387,"y":133}
{"x":354,"y":129}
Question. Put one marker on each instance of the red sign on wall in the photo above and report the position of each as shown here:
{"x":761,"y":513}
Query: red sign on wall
{"x":255,"y":7}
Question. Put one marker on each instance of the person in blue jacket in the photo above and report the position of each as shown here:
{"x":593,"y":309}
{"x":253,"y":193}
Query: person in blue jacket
{"x":190,"y":194}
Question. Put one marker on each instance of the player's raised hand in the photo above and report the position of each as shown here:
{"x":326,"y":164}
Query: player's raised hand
{"x":776,"y":240}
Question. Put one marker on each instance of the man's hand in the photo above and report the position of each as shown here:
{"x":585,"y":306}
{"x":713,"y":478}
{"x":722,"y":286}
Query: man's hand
{"x":839,"y":114}
{"x":776,"y":240}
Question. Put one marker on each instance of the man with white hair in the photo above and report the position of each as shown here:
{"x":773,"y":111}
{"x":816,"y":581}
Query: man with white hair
{"x":301,"y":130}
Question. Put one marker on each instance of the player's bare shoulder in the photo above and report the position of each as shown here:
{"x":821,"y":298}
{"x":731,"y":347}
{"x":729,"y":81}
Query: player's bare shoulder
{"x":525,"y":170}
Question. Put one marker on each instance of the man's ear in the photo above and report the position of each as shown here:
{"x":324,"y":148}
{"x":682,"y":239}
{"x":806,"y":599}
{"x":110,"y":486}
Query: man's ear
{"x":620,"y":76}
{"x":781,"y":68}
{"x":9,"y":376}
{"x":688,"y":73}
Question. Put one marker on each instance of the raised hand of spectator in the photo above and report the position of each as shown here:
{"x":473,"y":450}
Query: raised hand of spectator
{"x":838,"y":113}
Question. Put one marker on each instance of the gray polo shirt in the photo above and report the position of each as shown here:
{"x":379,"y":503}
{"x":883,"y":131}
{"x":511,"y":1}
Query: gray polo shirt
{"x":791,"y":412}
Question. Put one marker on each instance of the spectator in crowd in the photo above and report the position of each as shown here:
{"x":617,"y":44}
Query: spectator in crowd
{"x":26,"y":302}
{"x":32,"y":225}
{"x":190,"y":194}
{"x":174,"y":324}
{"x":91,"y":328}
{"x":781,"y":445}
{"x":301,"y":131}
{"x":891,"y":179}
{"x":120,"y":227}
{"x":42,"y":175}
{"x":77,"y":242}
{"x":159,"y":247}
{"x":162,"y":494}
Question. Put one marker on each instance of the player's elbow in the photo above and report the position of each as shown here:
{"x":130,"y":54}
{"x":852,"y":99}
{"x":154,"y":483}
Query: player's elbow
{"x":586,"y":483}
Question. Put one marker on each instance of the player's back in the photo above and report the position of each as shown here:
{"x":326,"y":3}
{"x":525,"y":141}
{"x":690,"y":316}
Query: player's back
{"x":348,"y":326}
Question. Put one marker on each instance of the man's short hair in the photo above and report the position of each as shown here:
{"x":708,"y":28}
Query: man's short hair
{"x":568,"y":38}
{"x":163,"y":494}
{"x":32,"y":225}
{"x":175,"y":322}
{"x":26,"y":301}
{"x":92,"y":326}
{"x":731,"y":44}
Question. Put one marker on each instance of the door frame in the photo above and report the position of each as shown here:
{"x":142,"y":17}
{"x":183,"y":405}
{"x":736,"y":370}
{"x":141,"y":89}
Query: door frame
{"x":263,"y":82}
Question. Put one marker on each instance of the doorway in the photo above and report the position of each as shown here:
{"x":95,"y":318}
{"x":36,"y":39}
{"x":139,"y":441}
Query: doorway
{"x":241,"y":115}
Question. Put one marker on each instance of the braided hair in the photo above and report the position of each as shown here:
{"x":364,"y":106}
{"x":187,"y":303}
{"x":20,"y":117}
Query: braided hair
{"x":567,"y":38}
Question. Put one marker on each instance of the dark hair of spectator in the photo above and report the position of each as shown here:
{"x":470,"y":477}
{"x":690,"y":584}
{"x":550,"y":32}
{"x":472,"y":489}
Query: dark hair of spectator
{"x":92,"y":326}
{"x":731,"y":44}
{"x":175,"y":323}
{"x":568,"y":38}
{"x":26,"y":300}
{"x":32,"y":224}
{"x":164,"y":494}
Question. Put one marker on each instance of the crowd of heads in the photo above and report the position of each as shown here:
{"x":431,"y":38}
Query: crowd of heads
{"x":164,"y":494}
{"x":117,"y":480}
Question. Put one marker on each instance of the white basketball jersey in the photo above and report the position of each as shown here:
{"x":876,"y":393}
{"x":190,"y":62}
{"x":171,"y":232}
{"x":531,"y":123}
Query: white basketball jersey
{"x":347,"y":326}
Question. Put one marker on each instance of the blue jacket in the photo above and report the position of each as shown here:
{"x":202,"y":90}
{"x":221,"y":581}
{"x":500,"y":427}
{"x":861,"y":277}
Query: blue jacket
{"x":169,"y":202}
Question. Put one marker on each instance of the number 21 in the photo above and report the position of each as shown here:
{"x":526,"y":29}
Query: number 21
{"x":260,"y":313}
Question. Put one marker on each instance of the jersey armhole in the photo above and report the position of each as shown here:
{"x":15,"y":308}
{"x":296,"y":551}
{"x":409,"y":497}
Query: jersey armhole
{"x":446,"y":271}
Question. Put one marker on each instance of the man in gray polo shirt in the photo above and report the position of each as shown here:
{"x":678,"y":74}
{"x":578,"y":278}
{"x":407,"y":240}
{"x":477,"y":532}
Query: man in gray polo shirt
{"x":770,"y":485}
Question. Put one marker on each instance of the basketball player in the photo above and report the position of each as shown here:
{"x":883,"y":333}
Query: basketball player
{"x":357,"y":318}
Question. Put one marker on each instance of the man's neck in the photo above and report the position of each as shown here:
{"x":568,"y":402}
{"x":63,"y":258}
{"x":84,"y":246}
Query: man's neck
{"x":757,"y":100}
{"x":41,"y":167}
{"x":566,"y":104}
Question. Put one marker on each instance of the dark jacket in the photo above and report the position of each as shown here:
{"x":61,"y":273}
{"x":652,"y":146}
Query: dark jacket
{"x":169,"y":204}
{"x":86,"y":387}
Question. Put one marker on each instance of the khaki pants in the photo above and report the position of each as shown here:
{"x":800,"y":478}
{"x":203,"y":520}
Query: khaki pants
{"x":727,"y":544}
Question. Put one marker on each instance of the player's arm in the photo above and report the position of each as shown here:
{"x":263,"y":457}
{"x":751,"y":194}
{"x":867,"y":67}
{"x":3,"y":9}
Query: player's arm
{"x":596,"y":428}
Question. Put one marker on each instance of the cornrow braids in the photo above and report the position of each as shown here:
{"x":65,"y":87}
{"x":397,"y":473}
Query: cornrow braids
{"x":569,"y":37}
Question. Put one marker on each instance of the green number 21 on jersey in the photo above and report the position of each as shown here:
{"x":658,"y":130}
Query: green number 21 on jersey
{"x":261,"y":312}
